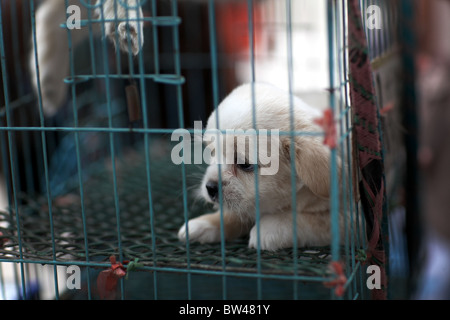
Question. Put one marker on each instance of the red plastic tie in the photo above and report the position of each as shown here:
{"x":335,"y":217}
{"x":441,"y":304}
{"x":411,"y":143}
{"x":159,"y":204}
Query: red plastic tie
{"x":107,"y":280}
{"x":329,"y":127}
{"x":340,"y":281}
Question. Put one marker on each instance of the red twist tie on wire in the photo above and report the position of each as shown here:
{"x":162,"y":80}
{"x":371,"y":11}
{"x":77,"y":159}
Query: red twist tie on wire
{"x":107,"y":280}
{"x":340,"y":281}
{"x":329,"y":127}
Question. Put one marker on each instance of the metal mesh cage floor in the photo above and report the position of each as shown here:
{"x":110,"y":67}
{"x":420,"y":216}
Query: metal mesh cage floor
{"x":64,"y":236}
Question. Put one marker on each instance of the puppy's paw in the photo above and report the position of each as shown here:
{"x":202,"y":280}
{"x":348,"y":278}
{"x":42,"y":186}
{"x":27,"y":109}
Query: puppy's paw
{"x":273,"y":236}
{"x":200,"y":230}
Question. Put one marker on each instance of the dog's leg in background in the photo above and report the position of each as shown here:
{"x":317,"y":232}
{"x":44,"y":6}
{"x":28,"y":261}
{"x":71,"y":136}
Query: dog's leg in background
{"x":132,"y":27}
{"x":206,"y":228}
{"x":52,"y":43}
{"x":52,"y":53}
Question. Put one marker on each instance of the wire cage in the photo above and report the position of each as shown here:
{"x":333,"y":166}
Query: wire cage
{"x":91,"y":187}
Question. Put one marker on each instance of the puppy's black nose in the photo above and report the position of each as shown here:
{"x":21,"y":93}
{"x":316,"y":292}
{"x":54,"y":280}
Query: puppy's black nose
{"x":213,"y":189}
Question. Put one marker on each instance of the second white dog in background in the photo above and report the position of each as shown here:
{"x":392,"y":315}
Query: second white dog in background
{"x":52,"y":42}
{"x":238,"y":190}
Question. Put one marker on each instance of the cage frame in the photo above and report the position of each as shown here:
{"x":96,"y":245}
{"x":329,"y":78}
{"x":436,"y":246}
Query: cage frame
{"x":340,"y":109}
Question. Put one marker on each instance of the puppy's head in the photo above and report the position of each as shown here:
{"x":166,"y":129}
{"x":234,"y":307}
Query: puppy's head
{"x":258,"y":111}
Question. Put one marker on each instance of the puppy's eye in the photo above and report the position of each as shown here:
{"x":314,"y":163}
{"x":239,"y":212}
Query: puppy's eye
{"x":247,"y":167}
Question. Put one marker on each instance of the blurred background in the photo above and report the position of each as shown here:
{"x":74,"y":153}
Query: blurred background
{"x":432,"y":59}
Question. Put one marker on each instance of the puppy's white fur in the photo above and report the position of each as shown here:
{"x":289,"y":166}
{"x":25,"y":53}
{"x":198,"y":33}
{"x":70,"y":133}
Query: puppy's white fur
{"x":312,"y":172}
{"x":52,"y":42}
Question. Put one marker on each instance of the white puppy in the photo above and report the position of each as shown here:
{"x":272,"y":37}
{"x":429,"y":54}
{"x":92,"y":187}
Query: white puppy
{"x":53,"y":45}
{"x":312,"y":175}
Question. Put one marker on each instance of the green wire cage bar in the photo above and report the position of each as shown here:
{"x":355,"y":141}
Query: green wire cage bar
{"x":93,"y":187}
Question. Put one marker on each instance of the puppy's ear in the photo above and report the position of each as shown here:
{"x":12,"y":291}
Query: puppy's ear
{"x":312,"y":164}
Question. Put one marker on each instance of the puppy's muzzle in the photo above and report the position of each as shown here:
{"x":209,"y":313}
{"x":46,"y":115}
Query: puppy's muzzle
{"x":213,"y":190}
